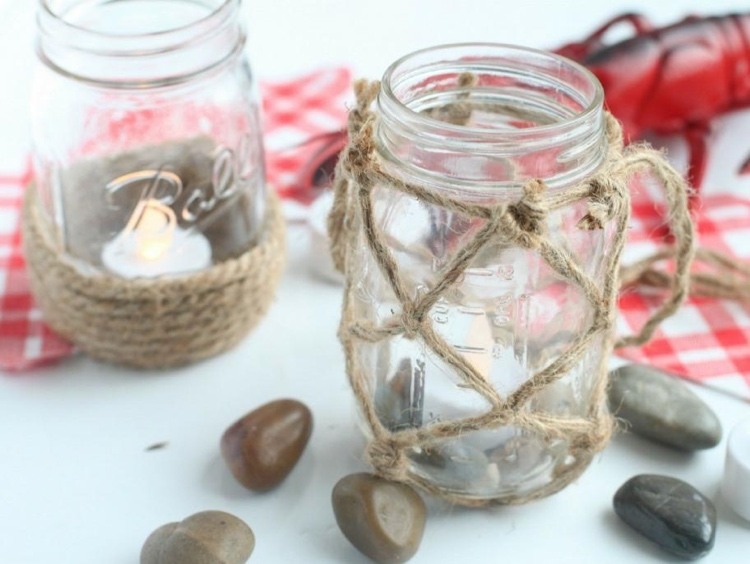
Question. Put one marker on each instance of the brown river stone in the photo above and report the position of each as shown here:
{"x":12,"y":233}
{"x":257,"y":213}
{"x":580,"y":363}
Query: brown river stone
{"x":383,"y":520}
{"x":208,"y":537}
{"x":263,"y":447}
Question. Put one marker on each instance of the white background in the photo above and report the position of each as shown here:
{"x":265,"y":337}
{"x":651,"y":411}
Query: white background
{"x":77,"y":486}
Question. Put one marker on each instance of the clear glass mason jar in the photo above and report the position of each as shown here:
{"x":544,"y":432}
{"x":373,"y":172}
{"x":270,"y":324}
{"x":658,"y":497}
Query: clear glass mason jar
{"x":526,"y":115}
{"x":147,"y":145}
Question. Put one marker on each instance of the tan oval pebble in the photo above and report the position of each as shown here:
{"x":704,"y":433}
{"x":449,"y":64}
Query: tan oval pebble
{"x":208,"y":537}
{"x":383,"y":520}
{"x":263,"y":447}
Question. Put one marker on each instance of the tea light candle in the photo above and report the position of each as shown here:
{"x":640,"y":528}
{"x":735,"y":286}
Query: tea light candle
{"x":152,"y":244}
{"x":736,"y":483}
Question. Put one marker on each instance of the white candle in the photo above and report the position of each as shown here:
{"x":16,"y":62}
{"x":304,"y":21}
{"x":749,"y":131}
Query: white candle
{"x":152,"y":244}
{"x":736,"y":483}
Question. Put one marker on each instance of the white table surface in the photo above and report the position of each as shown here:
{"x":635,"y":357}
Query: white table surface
{"x":78,"y":487}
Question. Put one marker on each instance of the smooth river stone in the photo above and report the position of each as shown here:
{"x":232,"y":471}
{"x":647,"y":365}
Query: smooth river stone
{"x":263,"y":447}
{"x":383,"y":520}
{"x":209,"y":537}
{"x":669,"y":512}
{"x":661,"y":408}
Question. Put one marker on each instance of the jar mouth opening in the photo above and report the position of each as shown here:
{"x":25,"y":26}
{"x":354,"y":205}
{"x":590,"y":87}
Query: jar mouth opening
{"x":138,"y":44}
{"x":424,"y":64}
{"x":60,"y":12}
{"x":484,"y":118}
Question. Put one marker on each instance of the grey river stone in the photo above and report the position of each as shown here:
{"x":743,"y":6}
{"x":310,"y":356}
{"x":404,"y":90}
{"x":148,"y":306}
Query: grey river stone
{"x":670,"y":512}
{"x":659,"y":407}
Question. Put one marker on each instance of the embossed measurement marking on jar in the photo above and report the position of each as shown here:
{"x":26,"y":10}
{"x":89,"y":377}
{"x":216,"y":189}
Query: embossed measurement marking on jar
{"x":440,"y":311}
{"x":506,"y":271}
{"x":503,"y":309}
{"x":479,"y":322}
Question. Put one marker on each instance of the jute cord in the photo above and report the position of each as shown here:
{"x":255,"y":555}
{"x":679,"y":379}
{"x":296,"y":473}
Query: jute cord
{"x":721,"y":277}
{"x":153,"y":323}
{"x":524,"y":224}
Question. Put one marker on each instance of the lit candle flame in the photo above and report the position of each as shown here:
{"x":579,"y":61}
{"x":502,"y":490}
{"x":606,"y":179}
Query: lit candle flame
{"x":153,"y":225}
{"x":152,"y":243}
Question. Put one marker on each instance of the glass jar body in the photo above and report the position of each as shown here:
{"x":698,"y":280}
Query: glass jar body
{"x":509,"y":315}
{"x":147,"y":156}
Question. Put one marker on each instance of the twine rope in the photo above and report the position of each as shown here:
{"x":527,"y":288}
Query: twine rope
{"x":523,"y":224}
{"x":153,"y":323}
{"x":724,"y":278}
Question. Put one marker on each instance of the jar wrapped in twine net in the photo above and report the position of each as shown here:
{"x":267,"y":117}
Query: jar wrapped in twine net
{"x":150,"y":235}
{"x":421,"y":453}
{"x":154,"y":323}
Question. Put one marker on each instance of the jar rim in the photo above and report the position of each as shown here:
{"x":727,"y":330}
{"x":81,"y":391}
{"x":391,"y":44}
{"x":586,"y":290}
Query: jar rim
{"x":210,"y":37}
{"x":216,"y":13}
{"x":483,"y":134}
{"x":562,"y":141}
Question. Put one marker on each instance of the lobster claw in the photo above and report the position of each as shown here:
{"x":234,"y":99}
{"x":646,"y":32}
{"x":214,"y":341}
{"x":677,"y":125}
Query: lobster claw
{"x":580,"y":50}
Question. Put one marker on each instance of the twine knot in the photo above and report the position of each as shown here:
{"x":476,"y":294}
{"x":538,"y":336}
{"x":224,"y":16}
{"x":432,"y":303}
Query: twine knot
{"x":388,"y":459}
{"x":603,"y":204}
{"x":358,"y":157}
{"x":412,"y":321}
{"x":597,"y":437}
{"x":528,"y":215}
{"x":460,"y":112}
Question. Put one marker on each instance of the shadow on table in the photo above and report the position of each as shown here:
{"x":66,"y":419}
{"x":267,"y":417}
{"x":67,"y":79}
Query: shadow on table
{"x":218,"y":478}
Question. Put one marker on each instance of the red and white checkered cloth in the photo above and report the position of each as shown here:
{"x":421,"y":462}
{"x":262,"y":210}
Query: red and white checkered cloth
{"x":300,"y":117}
{"x":707,"y":341}
{"x":24,"y":339}
{"x":297,"y":116}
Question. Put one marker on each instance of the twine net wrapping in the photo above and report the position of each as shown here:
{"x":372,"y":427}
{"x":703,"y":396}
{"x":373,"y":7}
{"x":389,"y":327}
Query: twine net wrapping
{"x":522,"y":224}
{"x":154,"y":323}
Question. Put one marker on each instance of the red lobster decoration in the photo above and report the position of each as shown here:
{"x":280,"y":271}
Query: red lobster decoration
{"x":666,"y":80}
{"x":672,"y":79}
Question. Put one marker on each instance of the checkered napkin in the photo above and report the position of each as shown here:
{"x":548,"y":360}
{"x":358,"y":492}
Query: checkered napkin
{"x":708,"y":340}
{"x":300,"y":118}
{"x":303,"y":119}
{"x":24,"y":339}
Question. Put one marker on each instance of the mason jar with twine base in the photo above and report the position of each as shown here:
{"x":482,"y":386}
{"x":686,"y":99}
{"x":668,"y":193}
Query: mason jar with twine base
{"x":481,"y":209}
{"x":150,"y":237}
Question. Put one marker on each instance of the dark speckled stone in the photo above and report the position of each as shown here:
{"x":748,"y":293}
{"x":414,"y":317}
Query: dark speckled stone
{"x":669,"y":512}
{"x":661,"y":408}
